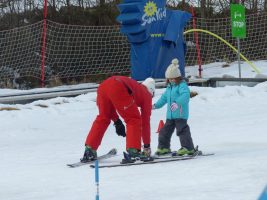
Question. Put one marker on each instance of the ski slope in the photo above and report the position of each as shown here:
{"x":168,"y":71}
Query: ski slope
{"x":39,"y":139}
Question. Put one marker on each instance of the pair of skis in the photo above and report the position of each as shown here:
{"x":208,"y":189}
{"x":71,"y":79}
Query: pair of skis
{"x":152,"y":160}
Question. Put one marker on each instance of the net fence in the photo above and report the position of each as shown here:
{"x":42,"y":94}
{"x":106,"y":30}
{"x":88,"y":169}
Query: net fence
{"x":83,"y":52}
{"x":20,"y":53}
{"x":253,"y":47}
{"x":76,"y":51}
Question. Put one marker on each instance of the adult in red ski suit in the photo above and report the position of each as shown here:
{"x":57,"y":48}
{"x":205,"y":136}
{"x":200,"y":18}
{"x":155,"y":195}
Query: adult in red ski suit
{"x":123,"y":95}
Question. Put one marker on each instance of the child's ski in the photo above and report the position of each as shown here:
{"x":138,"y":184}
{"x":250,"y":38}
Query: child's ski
{"x":175,"y":155}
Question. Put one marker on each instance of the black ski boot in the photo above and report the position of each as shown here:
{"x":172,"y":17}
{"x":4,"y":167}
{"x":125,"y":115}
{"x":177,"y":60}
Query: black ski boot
{"x":89,"y":155}
{"x":134,"y":155}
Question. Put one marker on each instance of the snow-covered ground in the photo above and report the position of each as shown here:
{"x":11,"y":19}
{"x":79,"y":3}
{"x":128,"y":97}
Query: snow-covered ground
{"x":40,"y":138}
{"x":223,"y":69}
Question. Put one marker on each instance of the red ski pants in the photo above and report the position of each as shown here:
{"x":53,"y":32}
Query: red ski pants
{"x":113,"y":95}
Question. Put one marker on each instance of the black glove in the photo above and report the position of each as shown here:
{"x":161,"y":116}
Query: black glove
{"x":120,"y":128}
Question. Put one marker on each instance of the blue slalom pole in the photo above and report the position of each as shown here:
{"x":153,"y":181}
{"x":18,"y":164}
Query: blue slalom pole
{"x":97,"y":179}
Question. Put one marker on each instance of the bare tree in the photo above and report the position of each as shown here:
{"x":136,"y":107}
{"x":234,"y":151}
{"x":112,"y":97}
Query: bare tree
{"x":255,"y":5}
{"x":80,"y":3}
{"x":53,"y":2}
{"x":202,"y":8}
{"x":102,"y":2}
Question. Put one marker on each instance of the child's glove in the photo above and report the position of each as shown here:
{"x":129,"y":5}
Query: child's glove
{"x":120,"y":128}
{"x":174,"y":107}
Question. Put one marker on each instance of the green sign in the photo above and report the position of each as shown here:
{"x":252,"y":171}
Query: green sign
{"x":238,"y":21}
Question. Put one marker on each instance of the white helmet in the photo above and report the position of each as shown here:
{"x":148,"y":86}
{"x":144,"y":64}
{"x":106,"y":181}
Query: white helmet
{"x":150,"y":85}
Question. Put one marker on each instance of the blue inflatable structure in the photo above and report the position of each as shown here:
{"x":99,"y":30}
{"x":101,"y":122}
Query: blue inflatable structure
{"x":155,"y":34}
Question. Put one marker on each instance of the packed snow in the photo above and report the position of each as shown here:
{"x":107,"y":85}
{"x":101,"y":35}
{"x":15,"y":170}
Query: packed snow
{"x":38,"y":139}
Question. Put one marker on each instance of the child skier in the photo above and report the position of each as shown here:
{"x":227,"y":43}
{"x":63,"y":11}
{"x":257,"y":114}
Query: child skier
{"x":176,"y":96}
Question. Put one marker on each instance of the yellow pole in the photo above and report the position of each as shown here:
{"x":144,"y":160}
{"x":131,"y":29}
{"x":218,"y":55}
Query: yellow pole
{"x":223,"y":40}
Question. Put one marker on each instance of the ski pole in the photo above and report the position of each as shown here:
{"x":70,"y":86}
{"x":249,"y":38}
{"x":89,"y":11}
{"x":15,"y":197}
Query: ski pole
{"x":97,"y":179}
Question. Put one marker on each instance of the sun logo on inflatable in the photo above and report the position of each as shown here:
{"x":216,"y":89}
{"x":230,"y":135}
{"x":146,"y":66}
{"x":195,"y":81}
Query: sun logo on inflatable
{"x":150,"y":8}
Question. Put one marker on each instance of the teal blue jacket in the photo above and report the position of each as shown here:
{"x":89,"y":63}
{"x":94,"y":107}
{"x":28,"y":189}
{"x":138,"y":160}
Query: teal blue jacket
{"x":179,"y":94}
